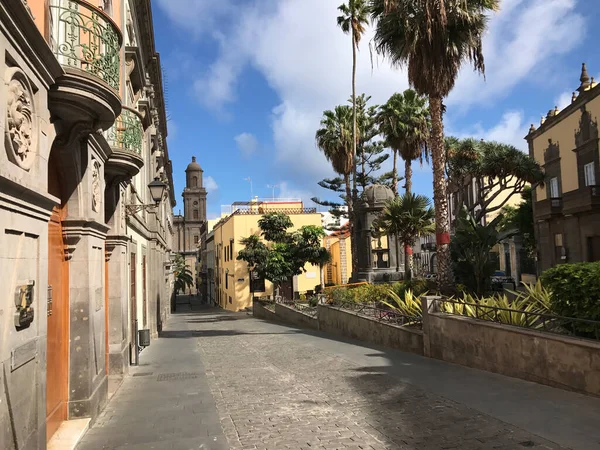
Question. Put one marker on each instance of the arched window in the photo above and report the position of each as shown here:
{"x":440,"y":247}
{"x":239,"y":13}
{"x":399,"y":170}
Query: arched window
{"x":196,"y":215}
{"x":194,"y":181}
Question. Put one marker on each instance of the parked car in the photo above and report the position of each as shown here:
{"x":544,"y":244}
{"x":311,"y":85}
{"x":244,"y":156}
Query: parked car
{"x":500,"y":280}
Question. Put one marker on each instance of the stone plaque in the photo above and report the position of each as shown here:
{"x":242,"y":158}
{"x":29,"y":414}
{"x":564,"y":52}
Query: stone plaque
{"x":23,"y":354}
{"x":23,"y":300}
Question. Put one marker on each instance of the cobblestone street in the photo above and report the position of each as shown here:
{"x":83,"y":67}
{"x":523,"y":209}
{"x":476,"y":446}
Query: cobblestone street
{"x":277,"y":387}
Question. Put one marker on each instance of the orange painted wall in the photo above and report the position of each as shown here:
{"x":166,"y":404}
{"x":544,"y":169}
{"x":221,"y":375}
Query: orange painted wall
{"x":40,"y":11}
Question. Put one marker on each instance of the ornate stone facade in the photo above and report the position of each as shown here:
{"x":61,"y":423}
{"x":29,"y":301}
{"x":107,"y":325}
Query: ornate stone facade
{"x":67,"y":309}
{"x":567,"y":207}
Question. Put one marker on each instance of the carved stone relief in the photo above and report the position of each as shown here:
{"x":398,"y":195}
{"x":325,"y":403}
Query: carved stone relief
{"x":21,"y":124}
{"x":552,"y":152}
{"x":588,"y":128}
{"x":96,"y":186}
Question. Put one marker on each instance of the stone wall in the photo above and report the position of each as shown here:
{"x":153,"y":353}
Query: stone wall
{"x":295,"y":317}
{"x":352,"y":325}
{"x":545,"y":358}
{"x":260,"y":312}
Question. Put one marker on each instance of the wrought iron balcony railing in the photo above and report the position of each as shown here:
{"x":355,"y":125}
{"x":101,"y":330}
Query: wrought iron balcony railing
{"x":556,"y":205}
{"x":85,"y":38}
{"x":127,"y":132}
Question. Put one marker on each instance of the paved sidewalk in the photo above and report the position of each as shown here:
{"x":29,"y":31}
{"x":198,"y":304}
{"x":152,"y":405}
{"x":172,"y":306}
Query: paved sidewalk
{"x":165,"y":404}
{"x":231,"y":381}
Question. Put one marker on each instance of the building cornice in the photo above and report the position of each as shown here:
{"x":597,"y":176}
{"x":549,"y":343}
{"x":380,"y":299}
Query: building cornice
{"x":582,"y":99}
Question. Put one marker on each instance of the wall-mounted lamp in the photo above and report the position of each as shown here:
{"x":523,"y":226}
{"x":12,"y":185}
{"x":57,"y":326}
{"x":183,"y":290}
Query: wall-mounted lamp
{"x":157,"y":190}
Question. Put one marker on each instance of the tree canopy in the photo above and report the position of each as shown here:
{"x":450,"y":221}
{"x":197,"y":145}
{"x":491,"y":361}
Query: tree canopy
{"x":282,"y":254}
{"x":499,"y":170}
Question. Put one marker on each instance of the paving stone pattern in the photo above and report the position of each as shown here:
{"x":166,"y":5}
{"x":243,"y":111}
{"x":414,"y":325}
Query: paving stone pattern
{"x":272,"y":391}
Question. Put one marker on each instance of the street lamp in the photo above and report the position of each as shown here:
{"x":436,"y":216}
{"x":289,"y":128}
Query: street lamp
{"x":157,"y":190}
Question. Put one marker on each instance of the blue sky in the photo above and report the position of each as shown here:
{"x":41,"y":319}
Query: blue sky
{"x":248,"y":80}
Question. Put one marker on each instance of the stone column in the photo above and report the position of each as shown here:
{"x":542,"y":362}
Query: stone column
{"x":118,"y":280}
{"x":87,"y":369}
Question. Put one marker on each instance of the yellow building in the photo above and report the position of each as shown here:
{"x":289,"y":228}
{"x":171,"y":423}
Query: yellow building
{"x":567,"y":208}
{"x":233,"y":286}
{"x":339,"y":270}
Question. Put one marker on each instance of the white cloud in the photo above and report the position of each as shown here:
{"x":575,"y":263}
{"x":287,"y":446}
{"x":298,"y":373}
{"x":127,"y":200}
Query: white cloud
{"x":511,"y":129}
{"x":311,"y":72}
{"x":246,"y":143}
{"x":197,"y":16}
{"x":563,"y":100}
{"x":522,"y":38}
{"x":210,"y":184}
{"x":289,"y":190}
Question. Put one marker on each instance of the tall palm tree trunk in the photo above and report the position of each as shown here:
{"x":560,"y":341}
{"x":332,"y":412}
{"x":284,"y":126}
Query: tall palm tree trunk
{"x":354,"y":240}
{"x":440,"y":195}
{"x":408,"y":262}
{"x":395,"y":173}
{"x":408,"y":259}
{"x":397,"y":253}
{"x":408,"y":175}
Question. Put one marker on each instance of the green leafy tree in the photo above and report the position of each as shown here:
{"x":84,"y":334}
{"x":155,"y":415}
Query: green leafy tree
{"x":433,"y":38}
{"x":471,"y":251}
{"x":183,"y":275}
{"x":404,"y":122}
{"x":282,"y":254}
{"x":353,"y":20}
{"x":500,"y":172}
{"x":406,"y":217}
{"x":308,"y":240}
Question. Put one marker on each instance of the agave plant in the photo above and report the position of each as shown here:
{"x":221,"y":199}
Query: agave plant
{"x":409,"y":306}
{"x":522,"y":311}
{"x":537,"y":295}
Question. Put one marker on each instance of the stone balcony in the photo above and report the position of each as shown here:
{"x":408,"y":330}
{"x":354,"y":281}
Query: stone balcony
{"x":125,"y":138}
{"x":87,"y":43}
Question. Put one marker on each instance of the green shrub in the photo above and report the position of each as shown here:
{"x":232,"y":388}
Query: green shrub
{"x":575,"y":292}
{"x":372,"y":293}
{"x":313,"y":301}
{"x":340,"y":295}
{"x":418,"y":286}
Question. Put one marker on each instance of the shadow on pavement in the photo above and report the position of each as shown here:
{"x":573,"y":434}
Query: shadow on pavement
{"x":179,"y":334}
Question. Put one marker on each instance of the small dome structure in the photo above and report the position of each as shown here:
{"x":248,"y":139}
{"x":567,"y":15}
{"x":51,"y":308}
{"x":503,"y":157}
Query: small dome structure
{"x":376,"y":195}
{"x":193,"y":166}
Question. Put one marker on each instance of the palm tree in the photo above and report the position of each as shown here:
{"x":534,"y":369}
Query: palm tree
{"x":353,"y":19}
{"x":183,"y":275}
{"x":404,"y":121}
{"x":407,"y":217}
{"x":334,"y":138}
{"x":433,"y":38}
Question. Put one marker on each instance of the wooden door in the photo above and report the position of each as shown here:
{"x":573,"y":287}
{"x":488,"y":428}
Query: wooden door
{"x":144,"y":296}
{"x":58,"y":327}
{"x":133,"y":306}
{"x":286,"y":290}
